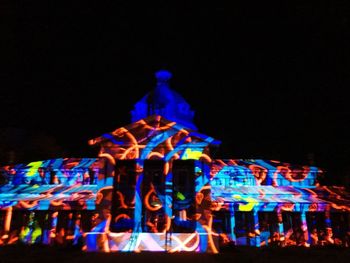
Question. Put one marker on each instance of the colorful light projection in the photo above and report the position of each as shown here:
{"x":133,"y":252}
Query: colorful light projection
{"x":153,"y":137}
{"x":236,"y":172}
{"x":173,"y":216}
{"x":38,"y":193}
{"x":155,"y":144}
{"x":145,"y":199}
{"x":65,"y":171}
{"x":44,"y":197}
{"x":64,"y":184}
{"x":257,"y":186}
{"x":164,"y":101}
{"x":154,"y":213}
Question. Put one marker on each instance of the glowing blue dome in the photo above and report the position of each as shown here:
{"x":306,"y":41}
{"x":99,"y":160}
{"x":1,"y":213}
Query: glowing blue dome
{"x":165,"y":102}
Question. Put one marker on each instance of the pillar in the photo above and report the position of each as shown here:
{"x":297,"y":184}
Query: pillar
{"x":232,"y":222}
{"x":256,"y":227}
{"x":53,"y":228}
{"x":280,"y":225}
{"x":7,"y":223}
{"x":304,"y":227}
{"x":327,"y":214}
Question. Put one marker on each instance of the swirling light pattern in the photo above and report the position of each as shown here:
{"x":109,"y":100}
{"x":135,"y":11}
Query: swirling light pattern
{"x":127,"y":199}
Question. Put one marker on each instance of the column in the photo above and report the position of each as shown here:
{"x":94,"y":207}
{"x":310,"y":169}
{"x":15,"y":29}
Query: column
{"x":7,"y":223}
{"x":280,"y":225}
{"x":329,"y":231}
{"x":53,"y":228}
{"x":256,"y":227}
{"x":327,"y":214}
{"x":232,"y":222}
{"x":304,"y":227}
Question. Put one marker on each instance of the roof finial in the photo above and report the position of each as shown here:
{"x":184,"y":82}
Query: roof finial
{"x":163,"y":76}
{"x":164,"y":101}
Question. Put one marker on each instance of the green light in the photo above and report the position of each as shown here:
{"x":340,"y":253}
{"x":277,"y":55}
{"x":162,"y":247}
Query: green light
{"x":180,"y":196}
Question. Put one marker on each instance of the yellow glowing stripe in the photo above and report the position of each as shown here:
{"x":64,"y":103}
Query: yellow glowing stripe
{"x":251,"y":202}
{"x":189,"y":154}
{"x":247,"y":207}
{"x":34,"y":166}
{"x":24,"y":232}
{"x":36,"y":233}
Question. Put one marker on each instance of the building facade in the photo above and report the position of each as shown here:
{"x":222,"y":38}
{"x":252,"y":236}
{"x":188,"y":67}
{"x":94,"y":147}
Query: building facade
{"x":155,"y":187}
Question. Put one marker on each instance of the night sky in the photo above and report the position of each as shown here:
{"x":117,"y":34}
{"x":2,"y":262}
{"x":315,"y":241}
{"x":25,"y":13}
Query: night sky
{"x":267,"y":78}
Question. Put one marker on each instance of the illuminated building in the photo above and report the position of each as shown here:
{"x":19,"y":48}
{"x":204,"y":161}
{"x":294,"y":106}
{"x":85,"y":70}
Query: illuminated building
{"x":155,"y":187}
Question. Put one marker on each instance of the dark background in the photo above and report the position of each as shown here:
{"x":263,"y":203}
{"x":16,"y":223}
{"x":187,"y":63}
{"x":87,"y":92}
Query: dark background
{"x":267,"y":78}
{"x":244,"y":254}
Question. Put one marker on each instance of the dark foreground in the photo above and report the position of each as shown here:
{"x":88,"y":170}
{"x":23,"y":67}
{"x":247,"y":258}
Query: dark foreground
{"x":21,"y":253}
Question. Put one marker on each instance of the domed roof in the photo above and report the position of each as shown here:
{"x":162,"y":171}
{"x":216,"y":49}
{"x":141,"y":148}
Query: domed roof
{"x":165,"y":102}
